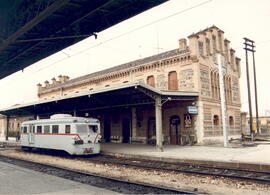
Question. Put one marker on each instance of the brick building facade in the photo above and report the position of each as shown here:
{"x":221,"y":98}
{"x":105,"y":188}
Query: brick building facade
{"x":189,"y":68}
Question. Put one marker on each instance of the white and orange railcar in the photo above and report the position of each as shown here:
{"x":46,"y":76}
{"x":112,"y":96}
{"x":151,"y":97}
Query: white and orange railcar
{"x":75,"y":135}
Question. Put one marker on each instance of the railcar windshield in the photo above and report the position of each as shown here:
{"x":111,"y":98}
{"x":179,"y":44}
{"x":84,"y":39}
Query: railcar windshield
{"x":85,"y":129}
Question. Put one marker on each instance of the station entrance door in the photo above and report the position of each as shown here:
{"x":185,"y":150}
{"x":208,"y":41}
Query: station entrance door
{"x":174,"y":129}
{"x":126,"y":130}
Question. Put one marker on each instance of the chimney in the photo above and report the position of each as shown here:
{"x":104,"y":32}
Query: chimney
{"x":39,"y":87}
{"x":46,"y":83}
{"x":60,"y":78}
{"x":54,"y":81}
{"x":182,"y":44}
{"x":65,"y":78}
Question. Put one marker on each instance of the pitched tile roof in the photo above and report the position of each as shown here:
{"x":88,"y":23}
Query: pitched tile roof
{"x":128,"y":65}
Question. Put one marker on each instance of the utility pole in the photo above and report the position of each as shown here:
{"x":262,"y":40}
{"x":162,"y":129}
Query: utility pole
{"x":223,"y":101}
{"x":249,"y":46}
{"x":255,"y":88}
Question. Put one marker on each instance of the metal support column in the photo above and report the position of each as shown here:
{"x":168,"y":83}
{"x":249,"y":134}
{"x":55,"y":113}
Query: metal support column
{"x":7,"y":127}
{"x":158,"y":110}
{"x":134,"y":122}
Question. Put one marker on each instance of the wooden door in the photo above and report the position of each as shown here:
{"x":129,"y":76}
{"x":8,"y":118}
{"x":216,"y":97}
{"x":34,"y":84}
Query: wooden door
{"x":174,"y":129}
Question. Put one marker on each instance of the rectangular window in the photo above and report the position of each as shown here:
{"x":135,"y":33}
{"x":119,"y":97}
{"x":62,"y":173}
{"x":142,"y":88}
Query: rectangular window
{"x":207,"y":46}
{"x":232,"y":57}
{"x":200,"y":48}
{"x":151,"y":80}
{"x":226,"y":52}
{"x":55,"y":129}
{"x":24,"y":129}
{"x":220,"y":41}
{"x":93,"y":128}
{"x":214,"y":43}
{"x":82,"y":129}
{"x":33,"y":131}
{"x":67,"y":129}
{"x":39,"y":129}
{"x":47,"y":129}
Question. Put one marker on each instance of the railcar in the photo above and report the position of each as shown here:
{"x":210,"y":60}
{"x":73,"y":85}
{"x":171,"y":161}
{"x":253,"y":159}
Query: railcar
{"x":75,"y":135}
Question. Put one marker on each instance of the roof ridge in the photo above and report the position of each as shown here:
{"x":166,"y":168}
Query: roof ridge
{"x":123,"y":66}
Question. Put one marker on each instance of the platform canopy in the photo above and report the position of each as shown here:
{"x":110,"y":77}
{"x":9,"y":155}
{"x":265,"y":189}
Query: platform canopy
{"x":34,"y":29}
{"x":107,"y":98}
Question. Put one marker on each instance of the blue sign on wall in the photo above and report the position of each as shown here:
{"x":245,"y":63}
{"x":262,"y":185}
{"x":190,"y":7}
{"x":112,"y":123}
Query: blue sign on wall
{"x":192,"y":109}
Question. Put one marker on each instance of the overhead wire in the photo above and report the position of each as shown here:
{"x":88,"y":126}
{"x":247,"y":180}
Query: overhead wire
{"x":131,"y":31}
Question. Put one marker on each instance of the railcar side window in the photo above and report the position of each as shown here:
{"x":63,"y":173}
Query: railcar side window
{"x":93,"y":128}
{"x":47,"y":129}
{"x":55,"y":129}
{"x":33,"y":129}
{"x":24,"y":129}
{"x":67,"y":129}
{"x":39,"y":129}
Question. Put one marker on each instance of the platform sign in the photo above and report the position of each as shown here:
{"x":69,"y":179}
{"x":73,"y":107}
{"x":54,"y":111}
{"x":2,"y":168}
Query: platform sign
{"x":187,"y":120}
{"x":192,"y":109}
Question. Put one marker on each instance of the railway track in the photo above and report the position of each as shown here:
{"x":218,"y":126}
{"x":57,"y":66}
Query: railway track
{"x":116,"y":185}
{"x":241,"y":174}
{"x":259,"y":176}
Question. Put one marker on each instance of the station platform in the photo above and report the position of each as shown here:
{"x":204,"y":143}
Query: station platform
{"x":11,"y":142}
{"x":255,"y":156}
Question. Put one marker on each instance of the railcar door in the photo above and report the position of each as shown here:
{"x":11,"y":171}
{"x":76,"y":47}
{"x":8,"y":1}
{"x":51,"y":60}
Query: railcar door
{"x":31,"y":136}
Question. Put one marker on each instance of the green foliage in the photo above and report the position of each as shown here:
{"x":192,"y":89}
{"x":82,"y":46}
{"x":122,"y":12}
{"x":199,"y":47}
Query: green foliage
{"x":13,"y":133}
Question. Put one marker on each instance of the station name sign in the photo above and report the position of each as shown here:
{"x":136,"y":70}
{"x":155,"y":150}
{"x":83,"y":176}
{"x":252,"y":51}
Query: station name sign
{"x":192,"y":109}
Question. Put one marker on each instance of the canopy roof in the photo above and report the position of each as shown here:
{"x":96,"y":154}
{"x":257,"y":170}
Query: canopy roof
{"x":34,"y":29}
{"x":124,"y":95}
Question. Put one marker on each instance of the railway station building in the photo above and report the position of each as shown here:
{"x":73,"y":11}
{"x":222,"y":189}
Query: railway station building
{"x":169,"y":98}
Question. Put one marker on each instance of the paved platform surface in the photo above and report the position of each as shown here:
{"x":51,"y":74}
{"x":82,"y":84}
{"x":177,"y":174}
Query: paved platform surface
{"x":238,"y":155}
{"x":19,"y":181}
{"x":255,"y":157}
{"x":11,"y":142}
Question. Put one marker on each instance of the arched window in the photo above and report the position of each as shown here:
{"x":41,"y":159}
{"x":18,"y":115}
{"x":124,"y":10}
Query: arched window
{"x":172,"y":81}
{"x":231,"y":121}
{"x":151,"y":81}
{"x":216,"y":120}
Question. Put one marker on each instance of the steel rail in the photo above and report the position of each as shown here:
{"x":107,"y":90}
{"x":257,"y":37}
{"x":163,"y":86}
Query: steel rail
{"x":112,"y":184}
{"x":243,"y":174}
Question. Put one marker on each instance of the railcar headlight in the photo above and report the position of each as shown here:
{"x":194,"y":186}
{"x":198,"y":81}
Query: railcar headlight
{"x":75,"y":138}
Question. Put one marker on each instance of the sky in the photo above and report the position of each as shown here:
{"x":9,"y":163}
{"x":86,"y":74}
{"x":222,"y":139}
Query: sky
{"x":154,"y":31}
